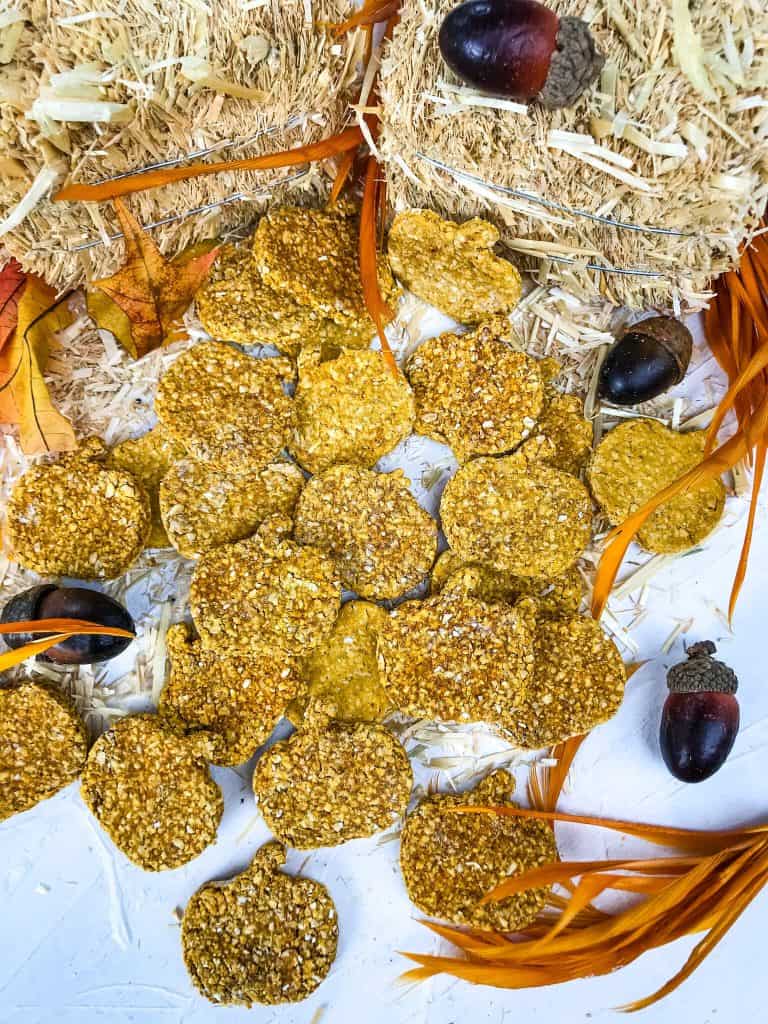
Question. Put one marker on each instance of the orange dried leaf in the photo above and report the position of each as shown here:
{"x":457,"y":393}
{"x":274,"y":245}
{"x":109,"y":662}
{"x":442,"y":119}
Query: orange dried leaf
{"x":12,"y":281}
{"x":152,"y":293}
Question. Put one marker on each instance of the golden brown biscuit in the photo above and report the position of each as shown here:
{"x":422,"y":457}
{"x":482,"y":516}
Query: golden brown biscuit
{"x":235,"y":699}
{"x":382,"y":540}
{"x":352,"y":410}
{"x":43,"y":745}
{"x":516,"y":516}
{"x":332,"y":781}
{"x":148,"y":458}
{"x":474,"y":392}
{"x":453,"y":266}
{"x":225,"y":406}
{"x":453,"y":658}
{"x":151,"y":791}
{"x":563,"y":426}
{"x":266,"y":590}
{"x":451,"y":861}
{"x":261,"y":937}
{"x":76,"y":517}
{"x":204,"y":506}
{"x":638,"y":459}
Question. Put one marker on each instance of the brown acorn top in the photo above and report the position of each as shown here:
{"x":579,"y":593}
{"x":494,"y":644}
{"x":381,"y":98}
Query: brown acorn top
{"x":671,"y":334}
{"x":701,"y":673}
{"x":575,"y":64}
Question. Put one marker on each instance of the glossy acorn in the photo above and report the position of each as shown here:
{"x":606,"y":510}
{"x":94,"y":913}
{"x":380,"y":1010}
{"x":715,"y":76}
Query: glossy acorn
{"x":520,"y":49}
{"x":651,"y":357}
{"x":51,"y":602}
{"x":700,"y":719}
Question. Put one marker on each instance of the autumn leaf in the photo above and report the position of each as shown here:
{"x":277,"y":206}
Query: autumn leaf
{"x":24,"y":397}
{"x":12,"y":281}
{"x":142,"y":304}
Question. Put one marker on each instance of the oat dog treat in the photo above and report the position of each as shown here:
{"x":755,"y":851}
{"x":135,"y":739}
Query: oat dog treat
{"x":150,"y":790}
{"x":638,"y":459}
{"x":343,"y":670}
{"x":236,"y":699}
{"x":451,"y":861}
{"x":42,"y":745}
{"x":312,"y":256}
{"x":332,"y":781}
{"x":76,"y":517}
{"x":352,"y":409}
{"x":474,"y":392}
{"x":517,"y":516}
{"x":453,"y":658}
{"x":204,"y":506}
{"x":453,"y":266}
{"x":262,"y":937}
{"x":556,"y":597}
{"x":383,"y":541}
{"x":267,"y":590}
{"x":577,"y":683}
{"x":148,"y":458}
{"x":562,"y":424}
{"x":226,"y":407}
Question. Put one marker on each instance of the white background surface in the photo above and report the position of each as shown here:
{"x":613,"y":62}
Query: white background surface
{"x":86,"y":937}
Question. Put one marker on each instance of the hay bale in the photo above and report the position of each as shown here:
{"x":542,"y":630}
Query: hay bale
{"x":162,"y":73}
{"x":645,"y":147}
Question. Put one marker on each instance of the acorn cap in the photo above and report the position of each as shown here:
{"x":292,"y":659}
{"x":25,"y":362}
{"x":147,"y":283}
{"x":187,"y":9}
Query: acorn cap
{"x":701,"y":673}
{"x":575,"y":64}
{"x":671,"y":334}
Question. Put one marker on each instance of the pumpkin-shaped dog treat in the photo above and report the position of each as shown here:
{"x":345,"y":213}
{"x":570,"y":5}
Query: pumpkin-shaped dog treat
{"x":265,"y":590}
{"x":382,"y":540}
{"x":204,"y":506}
{"x":43,"y":745}
{"x":475,"y":392}
{"x":151,"y":791}
{"x":453,"y":266}
{"x":638,"y":459}
{"x":332,"y":781}
{"x":225,"y":406}
{"x":351,"y":409}
{"x":76,"y":517}
{"x":261,"y":937}
{"x":148,"y":458}
{"x":517,"y":516}
{"x":237,"y":699}
{"x":450,"y":862}
{"x":453,"y":658}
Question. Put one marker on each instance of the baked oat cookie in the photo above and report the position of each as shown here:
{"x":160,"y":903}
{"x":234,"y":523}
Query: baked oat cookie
{"x":555,"y":598}
{"x":517,"y":516}
{"x":454,"y":658}
{"x":451,"y":861}
{"x":76,"y":517}
{"x":332,"y":781}
{"x":351,"y":409}
{"x":236,"y":699}
{"x":235,"y":304}
{"x":577,"y":683}
{"x":474,"y":392}
{"x":150,"y":790}
{"x":453,"y":266}
{"x":43,"y":745}
{"x":312,"y":255}
{"x":343,"y":670}
{"x":267,"y":590}
{"x":262,"y":937}
{"x":382,"y":540}
{"x":563,"y":426}
{"x":204,"y":506}
{"x":148,"y":458}
{"x":634,"y":462}
{"x":225,"y":406}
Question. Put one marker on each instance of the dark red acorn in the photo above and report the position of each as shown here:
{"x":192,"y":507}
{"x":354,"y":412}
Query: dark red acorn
{"x":700,"y":719}
{"x":649,"y":358}
{"x":520,"y":49}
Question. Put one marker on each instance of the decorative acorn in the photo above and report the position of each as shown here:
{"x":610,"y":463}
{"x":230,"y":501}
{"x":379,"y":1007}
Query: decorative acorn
{"x":650,"y":357}
{"x":51,"y":602}
{"x":520,"y":49}
{"x":700,"y":719}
